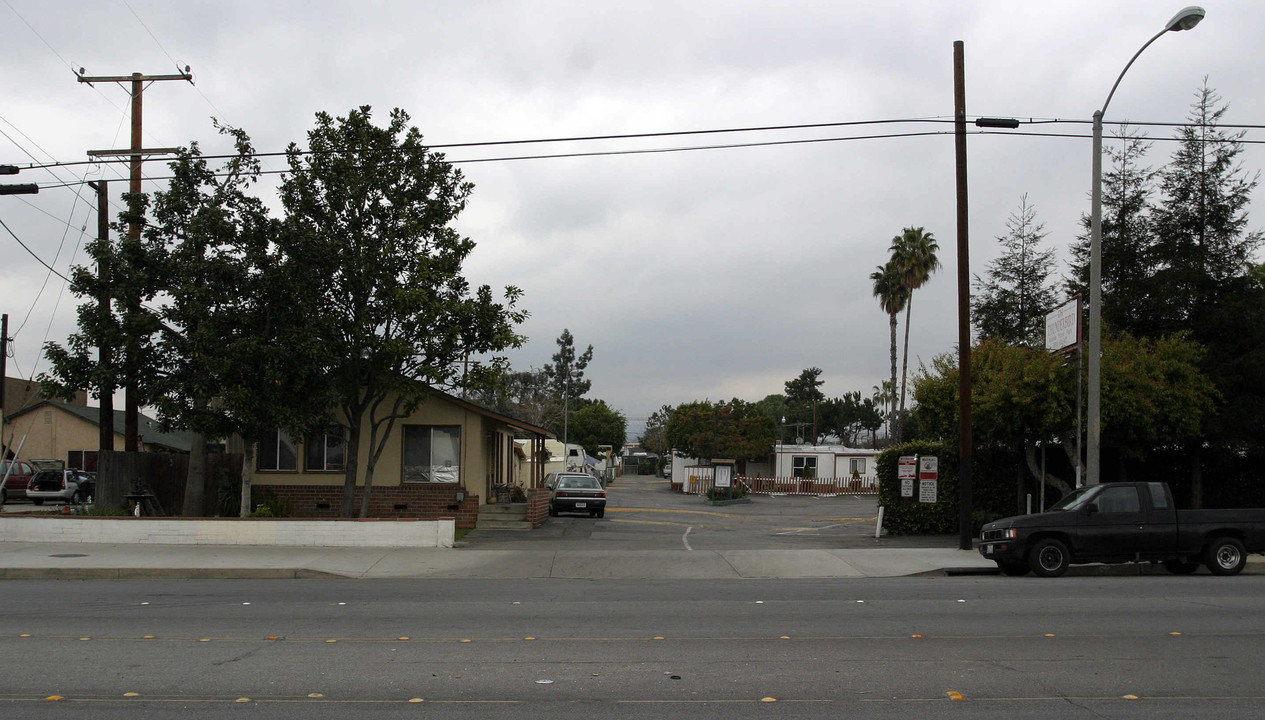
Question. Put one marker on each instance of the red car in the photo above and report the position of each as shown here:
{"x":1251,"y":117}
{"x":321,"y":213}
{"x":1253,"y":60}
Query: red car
{"x":19,"y":477}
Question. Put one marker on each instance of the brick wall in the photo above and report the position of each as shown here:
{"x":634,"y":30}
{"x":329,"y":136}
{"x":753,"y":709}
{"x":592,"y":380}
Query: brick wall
{"x":425,"y":501}
{"x":537,"y":506}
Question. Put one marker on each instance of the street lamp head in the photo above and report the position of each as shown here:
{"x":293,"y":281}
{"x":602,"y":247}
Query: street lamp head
{"x":1185,"y":19}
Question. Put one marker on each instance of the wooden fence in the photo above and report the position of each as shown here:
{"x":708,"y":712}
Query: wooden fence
{"x":699,"y":483}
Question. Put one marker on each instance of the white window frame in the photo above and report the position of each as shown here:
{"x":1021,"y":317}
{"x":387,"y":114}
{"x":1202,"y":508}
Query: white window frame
{"x":799,"y":462}
{"x":338,"y":432}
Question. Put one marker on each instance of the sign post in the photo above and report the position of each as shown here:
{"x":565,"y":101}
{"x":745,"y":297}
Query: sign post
{"x":928,"y":478}
{"x":906,"y":471}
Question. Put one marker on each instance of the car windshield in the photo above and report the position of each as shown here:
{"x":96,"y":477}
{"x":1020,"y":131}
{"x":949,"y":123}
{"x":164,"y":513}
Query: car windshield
{"x":579,"y":482}
{"x":1074,"y":500}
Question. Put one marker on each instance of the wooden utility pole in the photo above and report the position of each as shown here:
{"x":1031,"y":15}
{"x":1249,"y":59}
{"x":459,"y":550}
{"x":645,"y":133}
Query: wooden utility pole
{"x":106,"y":390}
{"x":131,"y":370}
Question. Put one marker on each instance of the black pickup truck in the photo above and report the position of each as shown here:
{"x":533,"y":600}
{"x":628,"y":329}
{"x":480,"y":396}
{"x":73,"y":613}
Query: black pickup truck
{"x":1123,"y":522}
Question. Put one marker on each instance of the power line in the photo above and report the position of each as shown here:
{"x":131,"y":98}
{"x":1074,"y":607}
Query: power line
{"x":32,"y":252}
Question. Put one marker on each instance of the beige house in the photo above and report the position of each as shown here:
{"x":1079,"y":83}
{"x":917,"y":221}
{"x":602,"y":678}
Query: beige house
{"x":53,"y":430}
{"x":446,"y":459}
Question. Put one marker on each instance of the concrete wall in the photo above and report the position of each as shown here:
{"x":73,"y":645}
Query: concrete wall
{"x":194,"y":531}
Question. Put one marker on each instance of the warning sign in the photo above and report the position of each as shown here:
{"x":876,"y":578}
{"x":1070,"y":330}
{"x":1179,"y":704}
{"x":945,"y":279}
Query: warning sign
{"x":907,"y":467}
{"x":928,"y":468}
{"x":927,"y":491}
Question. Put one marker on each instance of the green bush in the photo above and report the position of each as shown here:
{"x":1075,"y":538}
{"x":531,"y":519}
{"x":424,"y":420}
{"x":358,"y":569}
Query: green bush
{"x":99,"y":510}
{"x":906,"y":515}
{"x":739,"y":491}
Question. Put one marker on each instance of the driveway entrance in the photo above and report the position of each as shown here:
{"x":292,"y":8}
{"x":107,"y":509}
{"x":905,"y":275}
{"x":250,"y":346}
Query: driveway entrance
{"x":642,"y":513}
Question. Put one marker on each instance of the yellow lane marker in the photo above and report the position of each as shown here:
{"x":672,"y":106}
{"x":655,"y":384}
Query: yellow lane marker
{"x":768,"y":699}
{"x":465,"y":639}
{"x":785,"y":637}
{"x":273,"y":637}
{"x":1174,"y":633}
{"x":315,"y":695}
{"x":148,"y":637}
{"x":85,"y":638}
{"x":53,"y":698}
{"x":25,"y":635}
{"x":1130,"y":697}
{"x":403,"y":637}
{"x":658,"y":637}
{"x":1049,"y":634}
{"x":331,"y":641}
{"x":242,"y":700}
{"x":131,"y":694}
{"x":416,"y":700}
{"x":915,"y":636}
{"x":955,"y":695}
{"x":529,"y":638}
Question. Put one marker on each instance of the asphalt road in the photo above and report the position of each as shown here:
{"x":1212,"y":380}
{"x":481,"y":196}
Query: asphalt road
{"x":1152,"y":647}
{"x":643,"y":514}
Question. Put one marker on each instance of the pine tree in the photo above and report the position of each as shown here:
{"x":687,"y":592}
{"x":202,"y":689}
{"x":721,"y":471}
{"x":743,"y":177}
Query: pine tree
{"x":1127,"y":239}
{"x":1011,"y":304}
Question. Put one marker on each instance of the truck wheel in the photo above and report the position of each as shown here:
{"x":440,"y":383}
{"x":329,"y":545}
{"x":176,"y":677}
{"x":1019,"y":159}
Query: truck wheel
{"x":1180,"y":567}
{"x":1049,"y":558}
{"x":1012,"y":568}
{"x":1225,"y":556}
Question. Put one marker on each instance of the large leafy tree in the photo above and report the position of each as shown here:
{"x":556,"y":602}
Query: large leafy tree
{"x":235,"y":351}
{"x":1154,"y":395}
{"x":734,"y":429}
{"x":1012,"y":301}
{"x":914,"y":255}
{"x":598,"y":424}
{"x":893,"y":296}
{"x":369,"y":213}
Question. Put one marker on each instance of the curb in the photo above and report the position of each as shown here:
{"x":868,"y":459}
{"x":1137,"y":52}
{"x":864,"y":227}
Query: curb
{"x":166,"y":574}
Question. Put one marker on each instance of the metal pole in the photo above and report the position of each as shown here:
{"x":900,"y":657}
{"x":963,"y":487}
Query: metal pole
{"x":1095,"y":310}
{"x":1080,"y":389}
{"x":964,"y":302}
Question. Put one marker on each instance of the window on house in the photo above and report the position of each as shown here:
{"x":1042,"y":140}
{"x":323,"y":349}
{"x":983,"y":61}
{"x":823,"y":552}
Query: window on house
{"x":804,"y":465}
{"x":431,"y":453}
{"x":857,"y":466}
{"x":278,"y":452}
{"x":326,"y":451}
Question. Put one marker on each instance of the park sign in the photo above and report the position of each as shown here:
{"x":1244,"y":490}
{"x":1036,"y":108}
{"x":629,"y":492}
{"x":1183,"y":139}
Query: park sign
{"x":1062,"y":326}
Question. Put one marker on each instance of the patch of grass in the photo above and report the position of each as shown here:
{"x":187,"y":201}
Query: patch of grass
{"x":460,"y":533}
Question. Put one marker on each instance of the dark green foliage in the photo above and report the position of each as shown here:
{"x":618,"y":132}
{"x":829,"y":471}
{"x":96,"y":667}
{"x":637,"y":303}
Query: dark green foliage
{"x":597,"y":424}
{"x":1012,"y":301}
{"x":906,"y":515}
{"x":735,"y":430}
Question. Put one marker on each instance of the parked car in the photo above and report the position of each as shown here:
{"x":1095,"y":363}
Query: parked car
{"x":1124,"y":522}
{"x":19,"y":476}
{"x":70,"y":486}
{"x":576,"y":492}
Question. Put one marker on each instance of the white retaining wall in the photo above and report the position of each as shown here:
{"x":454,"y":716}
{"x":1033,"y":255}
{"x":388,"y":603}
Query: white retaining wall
{"x":294,"y":533}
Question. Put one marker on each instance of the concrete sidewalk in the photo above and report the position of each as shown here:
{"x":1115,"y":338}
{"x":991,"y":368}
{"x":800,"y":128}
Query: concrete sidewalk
{"x":71,"y":561}
{"x":91,"y":561}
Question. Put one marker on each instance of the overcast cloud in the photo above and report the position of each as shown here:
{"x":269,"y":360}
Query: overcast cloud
{"x":702,"y":274}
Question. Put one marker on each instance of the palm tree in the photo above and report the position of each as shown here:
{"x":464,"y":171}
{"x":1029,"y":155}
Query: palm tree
{"x":892,"y":296}
{"x":914,"y":255}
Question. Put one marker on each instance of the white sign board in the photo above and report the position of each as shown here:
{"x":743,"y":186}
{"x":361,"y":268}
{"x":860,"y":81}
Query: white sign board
{"x":928,"y":467}
{"x":1060,"y":326}
{"x":724,"y":476}
{"x":927,"y":491}
{"x":907,"y":467}
{"x":906,"y":487}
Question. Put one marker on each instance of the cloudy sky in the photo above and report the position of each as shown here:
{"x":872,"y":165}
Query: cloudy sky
{"x":707,"y":273}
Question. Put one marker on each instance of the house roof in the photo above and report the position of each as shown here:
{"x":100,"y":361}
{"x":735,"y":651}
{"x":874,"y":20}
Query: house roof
{"x":151,"y":434}
{"x":823,"y":449}
{"x":511,"y":421}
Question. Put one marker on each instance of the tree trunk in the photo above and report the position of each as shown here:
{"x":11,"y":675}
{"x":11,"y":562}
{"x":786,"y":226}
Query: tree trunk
{"x":891,"y":392}
{"x":1034,"y":466}
{"x":248,"y":469}
{"x":348,"y":505}
{"x":904,"y":366}
{"x":195,"y":479}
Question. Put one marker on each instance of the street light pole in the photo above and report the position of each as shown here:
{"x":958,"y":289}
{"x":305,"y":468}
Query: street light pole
{"x":1185,"y":19}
